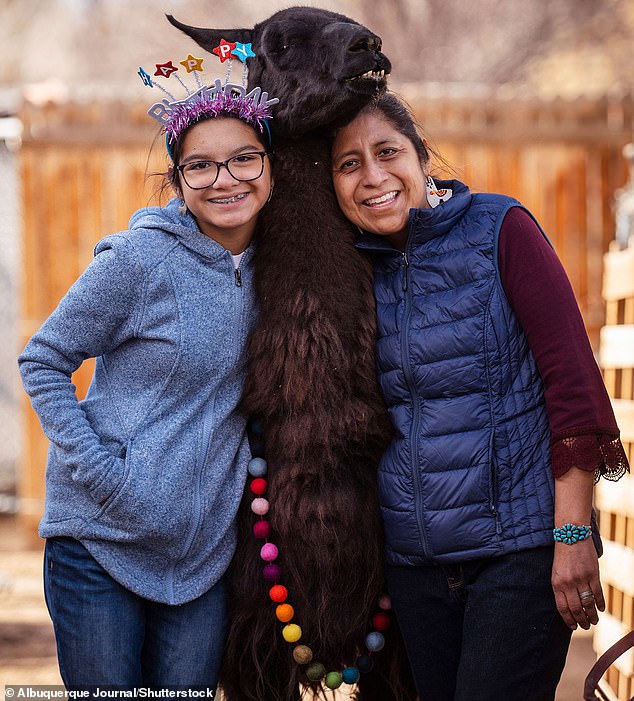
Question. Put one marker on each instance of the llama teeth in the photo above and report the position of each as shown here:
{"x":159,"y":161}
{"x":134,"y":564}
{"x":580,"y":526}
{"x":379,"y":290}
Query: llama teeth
{"x":372,"y":75}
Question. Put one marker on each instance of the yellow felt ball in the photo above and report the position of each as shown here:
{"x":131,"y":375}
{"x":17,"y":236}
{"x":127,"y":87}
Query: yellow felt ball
{"x":291,"y":633}
{"x":284,"y":613}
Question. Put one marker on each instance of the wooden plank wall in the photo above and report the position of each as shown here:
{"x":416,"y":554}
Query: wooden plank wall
{"x":615,"y":503}
{"x":84,"y":165}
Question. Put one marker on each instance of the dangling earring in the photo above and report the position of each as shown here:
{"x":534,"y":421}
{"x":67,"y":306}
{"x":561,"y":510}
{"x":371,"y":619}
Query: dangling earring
{"x":182,"y":208}
{"x":432,"y":193}
{"x":270,"y":195}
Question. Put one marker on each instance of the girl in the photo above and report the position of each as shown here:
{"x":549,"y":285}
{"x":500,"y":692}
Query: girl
{"x":502,"y":421}
{"x":145,"y":475}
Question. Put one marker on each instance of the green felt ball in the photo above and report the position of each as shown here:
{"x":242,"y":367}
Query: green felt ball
{"x":315,"y":671}
{"x":333,"y":680}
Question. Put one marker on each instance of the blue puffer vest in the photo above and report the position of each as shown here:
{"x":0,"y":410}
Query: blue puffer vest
{"x":467,"y":474}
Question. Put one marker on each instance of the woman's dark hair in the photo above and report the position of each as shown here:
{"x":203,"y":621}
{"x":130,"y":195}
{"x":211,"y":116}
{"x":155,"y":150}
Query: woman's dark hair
{"x":400,"y":115}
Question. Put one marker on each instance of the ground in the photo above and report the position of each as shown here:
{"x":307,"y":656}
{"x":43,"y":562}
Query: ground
{"x":27,"y":644}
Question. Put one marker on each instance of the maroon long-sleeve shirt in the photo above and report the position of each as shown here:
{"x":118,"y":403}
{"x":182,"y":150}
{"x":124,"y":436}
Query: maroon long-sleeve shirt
{"x":583,"y":428}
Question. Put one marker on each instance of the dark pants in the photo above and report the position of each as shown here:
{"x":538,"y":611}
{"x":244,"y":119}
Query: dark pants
{"x":109,"y":637}
{"x":486,"y":630}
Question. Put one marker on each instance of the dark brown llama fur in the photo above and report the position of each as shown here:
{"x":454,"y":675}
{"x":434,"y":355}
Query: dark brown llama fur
{"x":311,"y":374}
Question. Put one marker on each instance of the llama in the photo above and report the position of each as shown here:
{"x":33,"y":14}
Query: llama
{"x":311,"y":377}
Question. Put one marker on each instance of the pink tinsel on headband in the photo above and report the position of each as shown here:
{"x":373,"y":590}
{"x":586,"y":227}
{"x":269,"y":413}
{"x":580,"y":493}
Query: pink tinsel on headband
{"x":184,"y":114}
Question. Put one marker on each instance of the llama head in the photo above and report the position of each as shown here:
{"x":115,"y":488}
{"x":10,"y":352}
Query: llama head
{"x":322,"y":66}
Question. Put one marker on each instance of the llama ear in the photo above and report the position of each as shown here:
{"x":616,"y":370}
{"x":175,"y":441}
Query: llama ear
{"x":208,"y":39}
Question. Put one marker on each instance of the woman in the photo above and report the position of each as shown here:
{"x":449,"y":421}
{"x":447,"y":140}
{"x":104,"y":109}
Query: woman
{"x":145,"y":475}
{"x":501,"y":418}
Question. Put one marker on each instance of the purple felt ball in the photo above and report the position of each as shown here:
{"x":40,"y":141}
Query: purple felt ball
{"x":272,"y":572}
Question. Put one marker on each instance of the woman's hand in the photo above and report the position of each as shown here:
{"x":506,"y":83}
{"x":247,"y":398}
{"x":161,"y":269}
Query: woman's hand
{"x":576,"y":583}
{"x":575,"y":576}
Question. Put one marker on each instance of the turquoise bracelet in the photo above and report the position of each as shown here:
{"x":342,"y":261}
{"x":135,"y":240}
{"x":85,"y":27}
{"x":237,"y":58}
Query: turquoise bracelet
{"x":569,"y":533}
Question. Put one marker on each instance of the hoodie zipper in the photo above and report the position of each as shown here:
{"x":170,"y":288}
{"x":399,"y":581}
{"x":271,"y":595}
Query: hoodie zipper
{"x":239,"y":306}
{"x":206,"y":441}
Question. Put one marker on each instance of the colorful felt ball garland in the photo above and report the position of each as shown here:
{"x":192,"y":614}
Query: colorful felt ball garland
{"x":278,"y":593}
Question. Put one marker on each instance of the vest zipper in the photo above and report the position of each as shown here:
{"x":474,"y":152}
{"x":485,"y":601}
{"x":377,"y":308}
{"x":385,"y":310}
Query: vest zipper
{"x":411,"y":386}
{"x":405,"y":270}
{"x":238,"y":276}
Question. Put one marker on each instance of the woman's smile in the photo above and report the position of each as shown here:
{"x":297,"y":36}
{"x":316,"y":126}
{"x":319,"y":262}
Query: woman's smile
{"x":382,"y":201}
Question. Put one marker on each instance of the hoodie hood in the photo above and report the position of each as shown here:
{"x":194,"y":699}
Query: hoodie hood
{"x":182,"y":226}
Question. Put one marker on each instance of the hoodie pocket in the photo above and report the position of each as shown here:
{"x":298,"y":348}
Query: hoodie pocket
{"x":136,"y":510}
{"x":105,"y":505}
{"x":150,"y":504}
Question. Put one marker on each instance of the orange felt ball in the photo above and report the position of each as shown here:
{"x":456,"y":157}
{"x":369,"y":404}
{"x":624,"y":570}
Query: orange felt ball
{"x":285,"y":613}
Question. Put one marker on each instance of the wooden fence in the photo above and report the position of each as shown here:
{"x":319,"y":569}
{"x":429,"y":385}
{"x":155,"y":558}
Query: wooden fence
{"x":615,"y":503}
{"x":83,"y":173}
{"x":561,"y":159}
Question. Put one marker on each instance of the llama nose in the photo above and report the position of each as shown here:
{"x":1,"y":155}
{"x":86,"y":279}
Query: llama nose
{"x":370,"y":42}
{"x":354,"y":37}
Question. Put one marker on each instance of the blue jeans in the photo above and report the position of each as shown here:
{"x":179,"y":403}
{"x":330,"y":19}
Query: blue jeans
{"x":484,"y":630}
{"x":108,"y":636}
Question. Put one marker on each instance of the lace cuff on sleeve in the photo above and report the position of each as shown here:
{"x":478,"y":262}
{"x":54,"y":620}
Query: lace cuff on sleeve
{"x":601,"y":453}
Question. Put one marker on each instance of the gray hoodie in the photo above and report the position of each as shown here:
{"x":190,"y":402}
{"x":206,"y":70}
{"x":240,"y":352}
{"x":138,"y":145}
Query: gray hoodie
{"x":148,"y":471}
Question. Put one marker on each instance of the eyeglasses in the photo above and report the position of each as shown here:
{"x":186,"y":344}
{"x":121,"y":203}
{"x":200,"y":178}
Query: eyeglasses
{"x":202,"y":174}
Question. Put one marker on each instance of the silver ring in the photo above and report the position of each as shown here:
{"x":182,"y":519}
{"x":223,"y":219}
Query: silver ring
{"x":586,"y":595}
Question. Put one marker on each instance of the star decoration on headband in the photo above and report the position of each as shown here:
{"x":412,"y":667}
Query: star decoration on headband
{"x":210,"y":100}
{"x":145,"y":77}
{"x":243,"y":51}
{"x":224,"y":50}
{"x":192,"y":63}
{"x":165,"y":70}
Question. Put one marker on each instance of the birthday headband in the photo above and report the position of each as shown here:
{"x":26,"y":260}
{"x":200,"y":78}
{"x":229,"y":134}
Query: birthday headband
{"x":209,"y":101}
